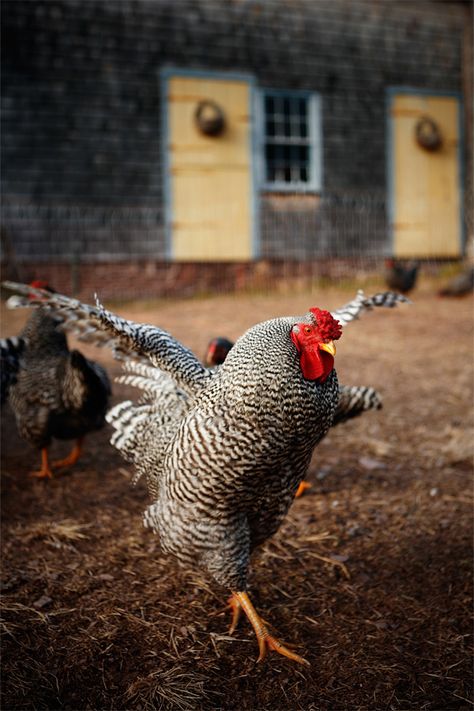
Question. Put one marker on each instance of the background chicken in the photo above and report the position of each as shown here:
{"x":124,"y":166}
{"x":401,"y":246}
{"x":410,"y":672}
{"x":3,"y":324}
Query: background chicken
{"x":53,"y":392}
{"x":217,"y":350}
{"x":401,"y":277}
{"x":459,"y":285}
{"x":223,"y":468}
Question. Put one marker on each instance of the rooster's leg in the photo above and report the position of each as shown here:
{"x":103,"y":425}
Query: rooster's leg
{"x":236,"y":608}
{"x":72,"y":457}
{"x":45,"y":471}
{"x":265,"y":639}
{"x":302,"y":488}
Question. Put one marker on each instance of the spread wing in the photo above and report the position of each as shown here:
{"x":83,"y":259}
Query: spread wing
{"x":355,"y":308}
{"x":127,"y":339}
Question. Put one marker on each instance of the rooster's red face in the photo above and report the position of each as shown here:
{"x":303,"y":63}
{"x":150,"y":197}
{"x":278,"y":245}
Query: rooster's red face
{"x":315,"y":344}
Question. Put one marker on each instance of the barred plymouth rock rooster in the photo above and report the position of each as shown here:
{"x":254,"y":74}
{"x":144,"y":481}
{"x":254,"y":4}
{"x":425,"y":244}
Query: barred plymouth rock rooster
{"x":223,"y":470}
{"x":53,"y":392}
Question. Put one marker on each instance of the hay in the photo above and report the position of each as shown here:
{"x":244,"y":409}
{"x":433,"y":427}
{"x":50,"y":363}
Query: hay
{"x":369,"y":577}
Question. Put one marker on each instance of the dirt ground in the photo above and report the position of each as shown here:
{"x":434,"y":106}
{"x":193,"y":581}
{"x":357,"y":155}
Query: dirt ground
{"x":370,"y":576}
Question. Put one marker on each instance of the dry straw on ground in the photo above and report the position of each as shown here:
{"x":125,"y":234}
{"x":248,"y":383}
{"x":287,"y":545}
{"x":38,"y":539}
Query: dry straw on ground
{"x":370,"y":576}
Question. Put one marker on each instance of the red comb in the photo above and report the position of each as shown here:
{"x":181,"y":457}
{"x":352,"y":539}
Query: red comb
{"x":329,"y":328}
{"x":39,"y":284}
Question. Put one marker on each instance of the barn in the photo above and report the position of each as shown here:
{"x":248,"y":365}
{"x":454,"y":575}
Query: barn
{"x":157,"y":146}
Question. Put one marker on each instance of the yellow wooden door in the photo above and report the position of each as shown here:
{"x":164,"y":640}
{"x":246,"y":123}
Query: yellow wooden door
{"x":210,"y":177}
{"x":425,"y":199}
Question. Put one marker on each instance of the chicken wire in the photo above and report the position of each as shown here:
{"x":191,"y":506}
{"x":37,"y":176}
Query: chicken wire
{"x":337,"y":236}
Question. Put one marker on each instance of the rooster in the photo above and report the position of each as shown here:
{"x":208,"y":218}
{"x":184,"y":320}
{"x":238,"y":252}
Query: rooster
{"x":53,"y":392}
{"x":224,"y":468}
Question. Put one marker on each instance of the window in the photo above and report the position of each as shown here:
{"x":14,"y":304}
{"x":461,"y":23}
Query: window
{"x":290,"y":143}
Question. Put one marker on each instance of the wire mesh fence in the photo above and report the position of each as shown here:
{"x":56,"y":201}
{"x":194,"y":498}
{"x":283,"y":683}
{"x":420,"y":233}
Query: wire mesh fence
{"x":337,"y":237}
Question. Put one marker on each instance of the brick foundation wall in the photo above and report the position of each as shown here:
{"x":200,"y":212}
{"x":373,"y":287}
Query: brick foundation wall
{"x":152,"y":279}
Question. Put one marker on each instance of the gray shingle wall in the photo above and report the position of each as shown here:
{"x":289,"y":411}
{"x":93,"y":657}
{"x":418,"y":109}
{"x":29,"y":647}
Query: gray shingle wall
{"x":81,"y":107}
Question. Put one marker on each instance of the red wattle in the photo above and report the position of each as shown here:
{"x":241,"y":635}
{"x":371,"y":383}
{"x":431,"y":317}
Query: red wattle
{"x":316,"y":364}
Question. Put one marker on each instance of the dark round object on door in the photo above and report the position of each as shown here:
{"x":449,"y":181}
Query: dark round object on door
{"x":209,"y":118}
{"x":428,"y":134}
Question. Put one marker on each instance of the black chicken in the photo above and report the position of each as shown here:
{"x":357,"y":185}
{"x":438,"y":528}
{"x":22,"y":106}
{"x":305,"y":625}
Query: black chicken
{"x":217,"y":351}
{"x":53,"y":392}
{"x":399,"y":277}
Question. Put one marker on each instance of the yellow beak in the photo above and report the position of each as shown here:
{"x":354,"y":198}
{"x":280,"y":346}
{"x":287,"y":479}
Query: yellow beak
{"x":329,"y":347}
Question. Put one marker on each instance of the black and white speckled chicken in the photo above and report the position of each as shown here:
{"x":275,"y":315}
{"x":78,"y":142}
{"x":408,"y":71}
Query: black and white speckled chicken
{"x":224,"y":469}
{"x":53,"y":392}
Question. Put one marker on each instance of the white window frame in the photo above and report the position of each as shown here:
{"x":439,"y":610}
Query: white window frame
{"x":314,"y":141}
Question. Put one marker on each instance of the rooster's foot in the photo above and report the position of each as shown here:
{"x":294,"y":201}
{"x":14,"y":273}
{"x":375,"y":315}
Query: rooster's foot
{"x":241,"y":600}
{"x":45,"y":471}
{"x":72,"y":457}
{"x":302,"y":488}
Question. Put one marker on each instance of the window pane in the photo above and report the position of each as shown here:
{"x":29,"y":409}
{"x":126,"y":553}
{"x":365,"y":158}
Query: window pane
{"x":287,"y":116}
{"x":279,"y":128}
{"x":269,"y":105}
{"x":295,"y":121}
{"x":303,"y":152}
{"x":270,"y":162}
{"x":270,"y":127}
{"x":303,"y":115}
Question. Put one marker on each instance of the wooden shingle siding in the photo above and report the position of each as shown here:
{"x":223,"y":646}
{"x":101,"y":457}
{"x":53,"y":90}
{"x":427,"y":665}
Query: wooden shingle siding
{"x":82,"y":168}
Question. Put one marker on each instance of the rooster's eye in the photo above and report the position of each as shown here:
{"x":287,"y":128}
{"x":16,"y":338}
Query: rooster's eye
{"x":307,"y":329}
